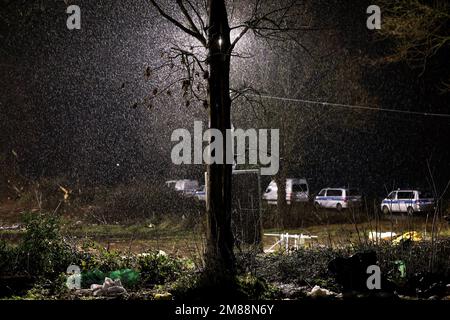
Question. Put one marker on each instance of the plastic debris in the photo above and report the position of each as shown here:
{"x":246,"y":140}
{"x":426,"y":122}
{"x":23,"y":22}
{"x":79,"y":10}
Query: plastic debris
{"x":13,"y":227}
{"x":408,"y":236}
{"x":374,"y":236}
{"x":145,"y":254}
{"x":401,"y":266}
{"x":91,"y":277}
{"x":127,"y":276}
{"x":318,"y":292}
{"x":109,"y":288}
{"x":163,"y":296}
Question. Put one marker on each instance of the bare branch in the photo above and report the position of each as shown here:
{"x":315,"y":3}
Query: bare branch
{"x":188,"y":17}
{"x":272,"y":24}
{"x":178,"y":24}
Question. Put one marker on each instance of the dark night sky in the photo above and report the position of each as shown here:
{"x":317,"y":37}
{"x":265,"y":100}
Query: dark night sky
{"x":67,"y":97}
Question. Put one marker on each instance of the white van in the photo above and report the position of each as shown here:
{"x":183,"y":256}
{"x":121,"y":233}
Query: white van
{"x":337,"y":198}
{"x":187,"y":187}
{"x":297,"y":190}
{"x":409,"y":201}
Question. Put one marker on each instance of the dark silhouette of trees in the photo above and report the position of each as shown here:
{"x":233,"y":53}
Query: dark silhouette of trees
{"x":419,"y":32}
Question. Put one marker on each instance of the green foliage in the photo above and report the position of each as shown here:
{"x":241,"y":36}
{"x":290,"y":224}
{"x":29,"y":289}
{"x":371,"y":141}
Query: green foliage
{"x":43,"y":251}
{"x":415,"y":257}
{"x":184,"y":285}
{"x":7,"y":257}
{"x":256,"y":288}
{"x":303,"y":267}
{"x":158,"y":268}
{"x":102,"y":260}
{"x":147,"y":269}
{"x":41,"y":257}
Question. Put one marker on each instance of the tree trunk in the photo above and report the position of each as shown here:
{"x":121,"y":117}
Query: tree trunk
{"x":281,"y":199}
{"x":280,"y":179}
{"x":220,"y":259}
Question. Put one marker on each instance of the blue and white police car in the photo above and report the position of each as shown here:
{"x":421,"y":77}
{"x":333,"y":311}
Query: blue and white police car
{"x":338,"y":198}
{"x":409,"y":201}
{"x":200,"y":194}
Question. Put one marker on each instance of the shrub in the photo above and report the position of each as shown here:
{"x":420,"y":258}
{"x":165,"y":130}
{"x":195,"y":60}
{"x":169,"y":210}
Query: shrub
{"x":302,"y":267}
{"x":256,"y":288}
{"x":95,"y":257}
{"x":7,"y":257}
{"x":157,"y":268}
{"x":43,"y":251}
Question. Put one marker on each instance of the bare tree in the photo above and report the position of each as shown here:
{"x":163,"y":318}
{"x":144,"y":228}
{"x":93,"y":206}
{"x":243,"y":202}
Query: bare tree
{"x":419,"y":31}
{"x":206,"y":78}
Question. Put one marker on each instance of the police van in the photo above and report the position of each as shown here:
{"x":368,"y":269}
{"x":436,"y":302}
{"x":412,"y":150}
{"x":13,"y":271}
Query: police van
{"x":297,"y":190}
{"x":338,"y":198}
{"x":408,"y":201}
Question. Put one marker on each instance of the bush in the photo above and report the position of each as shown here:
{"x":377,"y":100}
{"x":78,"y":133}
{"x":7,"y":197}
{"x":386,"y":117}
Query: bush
{"x":158,"y":268}
{"x":7,"y":257}
{"x":38,"y":259}
{"x":417,"y":257}
{"x":43,"y":251}
{"x":153,"y":268}
{"x":310,"y":266}
{"x":302,"y":267}
{"x":256,"y":288}
{"x":94,"y":257}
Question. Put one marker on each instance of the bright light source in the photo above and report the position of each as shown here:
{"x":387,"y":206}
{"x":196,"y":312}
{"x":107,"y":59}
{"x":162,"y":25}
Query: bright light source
{"x":220,"y":42}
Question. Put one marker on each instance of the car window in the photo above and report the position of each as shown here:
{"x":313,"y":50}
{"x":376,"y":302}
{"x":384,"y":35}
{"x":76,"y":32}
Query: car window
{"x":391,"y":196}
{"x":299,"y":187}
{"x":322,"y":193}
{"x":405,"y":195}
{"x":334,"y":193}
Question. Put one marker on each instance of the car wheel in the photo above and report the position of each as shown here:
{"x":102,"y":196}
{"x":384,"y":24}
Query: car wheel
{"x":410,"y":211}
{"x":339,"y":207}
{"x":385,"y":210}
{"x":316,"y":205}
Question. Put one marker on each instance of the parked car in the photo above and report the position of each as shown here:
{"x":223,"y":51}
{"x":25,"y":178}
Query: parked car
{"x":171,"y":183}
{"x":409,"y":201}
{"x":297,"y":190}
{"x":187,"y":187}
{"x":200,"y":194}
{"x":338,"y":198}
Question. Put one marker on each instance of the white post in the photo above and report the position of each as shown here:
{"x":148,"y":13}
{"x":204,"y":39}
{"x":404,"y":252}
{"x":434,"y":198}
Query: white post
{"x":287,"y":242}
